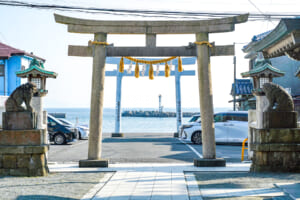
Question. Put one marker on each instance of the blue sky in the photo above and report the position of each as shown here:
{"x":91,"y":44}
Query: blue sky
{"x":36,"y":31}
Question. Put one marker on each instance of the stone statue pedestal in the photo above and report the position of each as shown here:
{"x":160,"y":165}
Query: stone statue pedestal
{"x":275,"y":146}
{"x":279,"y":119}
{"x":23,"y":152}
{"x":19,"y":120}
{"x":275,"y":150}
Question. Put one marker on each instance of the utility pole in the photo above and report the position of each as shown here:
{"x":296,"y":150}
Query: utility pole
{"x":160,"y":108}
{"x":234,"y":80}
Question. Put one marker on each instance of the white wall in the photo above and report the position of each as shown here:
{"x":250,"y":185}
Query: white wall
{"x":24,"y":62}
{"x":2,"y":107}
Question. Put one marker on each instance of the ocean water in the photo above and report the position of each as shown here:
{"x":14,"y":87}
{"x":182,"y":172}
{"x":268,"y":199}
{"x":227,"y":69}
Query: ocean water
{"x":128,"y":124}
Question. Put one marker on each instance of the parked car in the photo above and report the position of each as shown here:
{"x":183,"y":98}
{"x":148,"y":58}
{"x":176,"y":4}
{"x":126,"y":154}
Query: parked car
{"x":59,"y":132}
{"x":194,"y":120}
{"x":83,"y":131}
{"x":230,"y":127}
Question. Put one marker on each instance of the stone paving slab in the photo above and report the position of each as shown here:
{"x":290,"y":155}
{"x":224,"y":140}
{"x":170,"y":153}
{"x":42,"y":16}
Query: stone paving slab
{"x":149,"y":181}
{"x":216,"y":185}
{"x":292,"y":189}
{"x":157,"y":181}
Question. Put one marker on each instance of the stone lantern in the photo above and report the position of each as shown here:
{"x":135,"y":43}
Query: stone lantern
{"x":262,"y":72}
{"x":37,"y":74}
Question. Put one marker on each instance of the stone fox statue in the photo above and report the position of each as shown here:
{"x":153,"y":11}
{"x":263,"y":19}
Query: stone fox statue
{"x":21,"y":94}
{"x":278,"y":97}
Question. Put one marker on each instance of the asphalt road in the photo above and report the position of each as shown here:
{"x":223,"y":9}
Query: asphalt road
{"x":141,"y":147}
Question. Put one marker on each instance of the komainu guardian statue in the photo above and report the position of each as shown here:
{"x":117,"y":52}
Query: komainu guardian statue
{"x":23,"y":93}
{"x":279,"y":98}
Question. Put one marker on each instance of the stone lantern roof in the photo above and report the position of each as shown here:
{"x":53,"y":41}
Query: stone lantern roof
{"x":36,"y":68}
{"x":263,"y":68}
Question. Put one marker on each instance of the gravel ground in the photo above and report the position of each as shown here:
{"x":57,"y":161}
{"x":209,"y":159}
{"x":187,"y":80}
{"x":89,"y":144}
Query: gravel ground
{"x":55,"y":186}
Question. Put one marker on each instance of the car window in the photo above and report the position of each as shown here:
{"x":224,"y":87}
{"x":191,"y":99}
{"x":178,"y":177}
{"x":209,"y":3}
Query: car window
{"x":219,"y":118}
{"x":228,"y":117}
{"x":238,"y":117}
{"x":51,"y":119}
{"x":194,"y":118}
{"x":65,"y":121}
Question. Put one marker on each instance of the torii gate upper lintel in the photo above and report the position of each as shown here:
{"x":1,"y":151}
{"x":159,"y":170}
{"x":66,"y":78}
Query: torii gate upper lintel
{"x":100,"y":29}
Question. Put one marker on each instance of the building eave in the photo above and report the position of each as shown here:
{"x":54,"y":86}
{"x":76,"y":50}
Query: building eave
{"x":279,"y":40}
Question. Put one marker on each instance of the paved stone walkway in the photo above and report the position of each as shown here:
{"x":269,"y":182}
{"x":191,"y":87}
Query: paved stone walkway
{"x":152,"y":181}
{"x":146,"y":181}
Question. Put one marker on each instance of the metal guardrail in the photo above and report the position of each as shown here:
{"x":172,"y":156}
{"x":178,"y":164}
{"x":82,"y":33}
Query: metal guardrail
{"x":243,"y":149}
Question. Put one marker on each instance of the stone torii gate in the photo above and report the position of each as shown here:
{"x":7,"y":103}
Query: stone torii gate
{"x":119,"y":75}
{"x":99,"y":50}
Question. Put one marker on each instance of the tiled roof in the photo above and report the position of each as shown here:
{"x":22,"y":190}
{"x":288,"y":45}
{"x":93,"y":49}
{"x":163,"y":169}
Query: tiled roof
{"x":256,"y":38}
{"x":260,"y":36}
{"x":261,"y":69}
{"x":8,"y":51}
{"x":38,"y":66}
{"x":285,"y":27}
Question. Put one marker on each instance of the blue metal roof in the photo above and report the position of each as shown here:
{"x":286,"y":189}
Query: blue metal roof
{"x":242,"y":87}
{"x":258,"y":37}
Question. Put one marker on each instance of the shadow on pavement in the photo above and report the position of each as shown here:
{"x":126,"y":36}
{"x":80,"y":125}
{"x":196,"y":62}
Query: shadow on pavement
{"x":42,"y":197}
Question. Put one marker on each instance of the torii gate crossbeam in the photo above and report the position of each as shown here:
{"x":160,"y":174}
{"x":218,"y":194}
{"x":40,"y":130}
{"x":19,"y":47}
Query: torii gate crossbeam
{"x":100,"y":29}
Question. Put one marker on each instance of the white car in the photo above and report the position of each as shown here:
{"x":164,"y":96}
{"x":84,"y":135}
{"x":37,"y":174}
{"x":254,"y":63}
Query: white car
{"x":193,"y":121}
{"x":83,"y":131}
{"x":230,"y":127}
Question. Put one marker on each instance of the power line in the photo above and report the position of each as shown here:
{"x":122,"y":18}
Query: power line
{"x":149,"y":13}
{"x":267,"y":17}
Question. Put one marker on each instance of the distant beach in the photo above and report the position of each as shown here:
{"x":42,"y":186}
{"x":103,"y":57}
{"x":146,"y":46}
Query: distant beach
{"x":128,"y":124}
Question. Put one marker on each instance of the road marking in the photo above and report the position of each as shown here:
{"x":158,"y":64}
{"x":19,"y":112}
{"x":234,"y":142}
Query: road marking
{"x":79,"y":143}
{"x":192,"y":148}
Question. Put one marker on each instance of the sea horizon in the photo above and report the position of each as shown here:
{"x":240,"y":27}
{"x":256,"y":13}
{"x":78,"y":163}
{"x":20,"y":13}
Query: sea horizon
{"x":129,"y":124}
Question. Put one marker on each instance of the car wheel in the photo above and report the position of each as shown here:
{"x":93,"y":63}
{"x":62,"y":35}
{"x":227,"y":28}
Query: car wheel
{"x":59,"y":139}
{"x":197,"y":138}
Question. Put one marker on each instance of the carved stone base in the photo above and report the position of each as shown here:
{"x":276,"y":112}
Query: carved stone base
{"x":217,"y":162}
{"x":279,"y":119}
{"x":275,"y":150}
{"x":93,"y":163}
{"x":23,"y":137}
{"x":23,"y":153}
{"x":19,"y":120}
{"x":23,"y":160}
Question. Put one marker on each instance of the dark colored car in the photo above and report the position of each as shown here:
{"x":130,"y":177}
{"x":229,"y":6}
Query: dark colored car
{"x":59,"y":132}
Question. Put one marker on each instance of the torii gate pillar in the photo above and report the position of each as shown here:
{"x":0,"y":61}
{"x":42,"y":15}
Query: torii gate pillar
{"x":96,"y":110}
{"x":205,"y":93}
{"x":206,"y":106}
